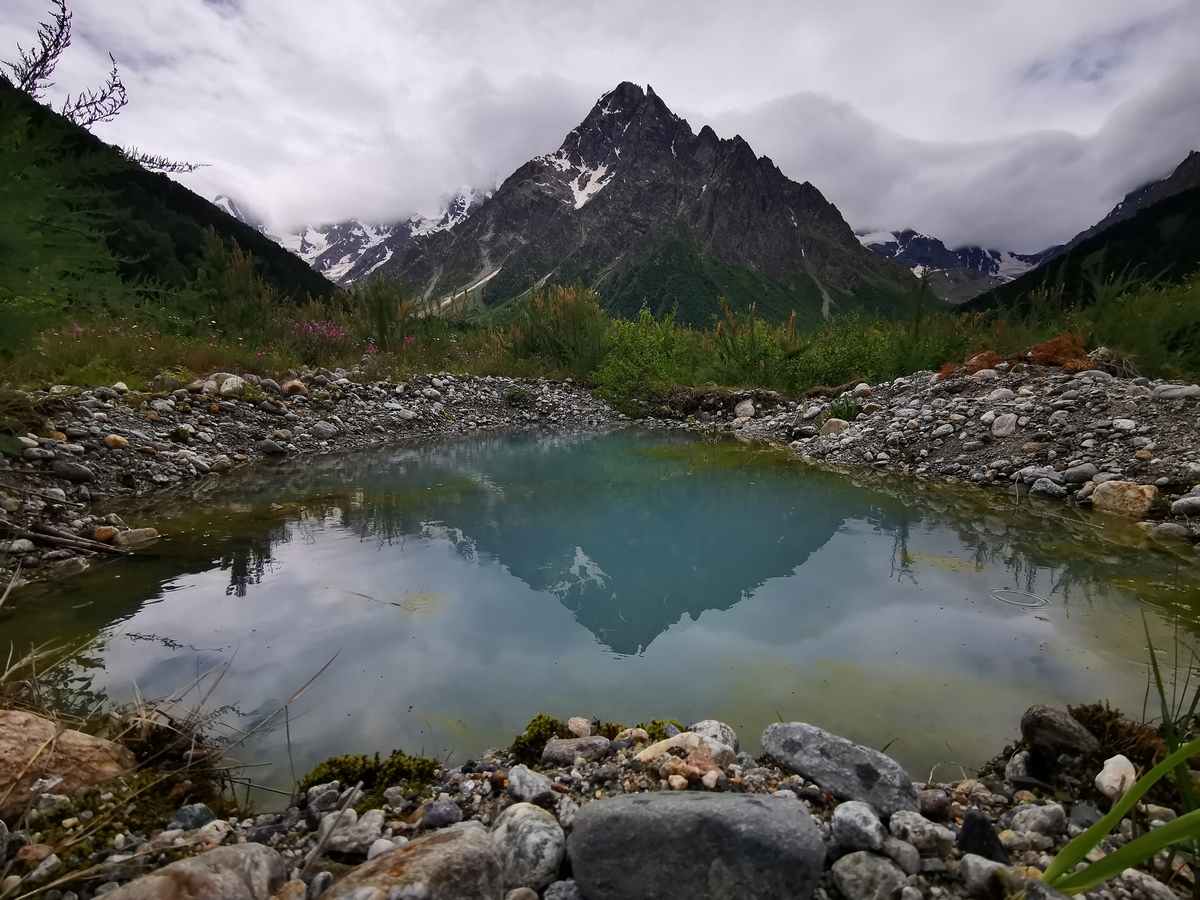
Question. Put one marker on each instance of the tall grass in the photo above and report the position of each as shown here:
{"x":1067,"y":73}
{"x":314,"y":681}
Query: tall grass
{"x":564,"y":326}
{"x":1154,"y":330}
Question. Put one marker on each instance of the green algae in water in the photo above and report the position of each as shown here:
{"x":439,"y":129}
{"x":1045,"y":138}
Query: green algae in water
{"x":464,"y":585}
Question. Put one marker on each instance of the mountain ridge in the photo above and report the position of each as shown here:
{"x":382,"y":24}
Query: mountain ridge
{"x":631,"y":175}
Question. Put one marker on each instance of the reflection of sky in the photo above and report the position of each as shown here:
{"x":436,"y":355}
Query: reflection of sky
{"x":443,"y":646}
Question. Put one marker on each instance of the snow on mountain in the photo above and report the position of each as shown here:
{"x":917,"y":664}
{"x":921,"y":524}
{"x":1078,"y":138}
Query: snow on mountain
{"x":955,"y":275}
{"x":347,"y":251}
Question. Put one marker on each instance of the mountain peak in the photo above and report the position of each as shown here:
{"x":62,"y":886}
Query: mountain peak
{"x":625,"y":119}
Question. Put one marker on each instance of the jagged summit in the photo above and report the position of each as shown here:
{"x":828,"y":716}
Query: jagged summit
{"x":955,"y":274}
{"x":647,"y":211}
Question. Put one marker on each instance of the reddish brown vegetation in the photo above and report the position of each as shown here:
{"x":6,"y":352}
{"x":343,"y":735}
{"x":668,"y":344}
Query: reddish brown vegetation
{"x":1065,"y":350}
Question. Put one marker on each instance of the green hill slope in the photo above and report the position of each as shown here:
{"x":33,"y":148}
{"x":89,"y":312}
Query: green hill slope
{"x":1160,"y":243}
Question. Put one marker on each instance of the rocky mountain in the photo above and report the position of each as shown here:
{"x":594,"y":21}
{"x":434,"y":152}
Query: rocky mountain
{"x":1152,"y":236}
{"x":1185,"y":177}
{"x":646,"y":211}
{"x":954,"y":275}
{"x":347,"y":251}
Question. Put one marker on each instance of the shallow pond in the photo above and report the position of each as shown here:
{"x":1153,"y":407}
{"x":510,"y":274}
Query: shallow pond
{"x":461,"y":587}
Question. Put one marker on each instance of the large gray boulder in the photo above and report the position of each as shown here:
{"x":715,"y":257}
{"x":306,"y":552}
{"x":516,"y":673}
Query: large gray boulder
{"x":842,"y":767}
{"x":693,"y":845}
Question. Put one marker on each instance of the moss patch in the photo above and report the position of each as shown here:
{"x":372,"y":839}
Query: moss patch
{"x":527,"y":747}
{"x":374,"y":773}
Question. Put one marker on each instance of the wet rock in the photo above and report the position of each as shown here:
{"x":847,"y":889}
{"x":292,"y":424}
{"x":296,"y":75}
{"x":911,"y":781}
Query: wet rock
{"x":865,"y":876}
{"x":1080,"y":474}
{"x":686,"y":845}
{"x":564,"y":751}
{"x":1044,"y":487}
{"x":1124,"y":498}
{"x":977,"y":836}
{"x":241,"y":872}
{"x":459,"y":863}
{"x":530,"y":844}
{"x":1172,"y":531}
{"x":33,"y":750}
{"x":135,"y":538}
{"x":842,"y":767}
{"x":1052,"y":732}
{"x":857,"y":827}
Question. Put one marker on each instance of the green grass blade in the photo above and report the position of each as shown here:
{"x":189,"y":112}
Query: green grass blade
{"x":1185,"y":828}
{"x":1072,"y":854}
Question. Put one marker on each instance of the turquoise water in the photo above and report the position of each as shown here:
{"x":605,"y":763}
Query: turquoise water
{"x":456,"y":589}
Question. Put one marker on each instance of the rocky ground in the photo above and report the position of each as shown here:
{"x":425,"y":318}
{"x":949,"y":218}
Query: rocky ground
{"x":1129,"y":447}
{"x":784,"y":825}
{"x":106,"y":443}
{"x":594,"y":817}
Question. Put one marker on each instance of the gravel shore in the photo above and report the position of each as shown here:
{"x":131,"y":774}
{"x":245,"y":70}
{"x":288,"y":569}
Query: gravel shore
{"x":600,"y":816}
{"x":1128,"y":447}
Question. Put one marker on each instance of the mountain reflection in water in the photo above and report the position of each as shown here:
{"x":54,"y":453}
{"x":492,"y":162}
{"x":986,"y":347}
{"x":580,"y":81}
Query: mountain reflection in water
{"x":469,"y":584}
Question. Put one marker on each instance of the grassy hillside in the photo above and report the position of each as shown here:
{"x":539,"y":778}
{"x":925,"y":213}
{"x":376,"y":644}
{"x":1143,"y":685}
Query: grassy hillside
{"x":154,"y":227}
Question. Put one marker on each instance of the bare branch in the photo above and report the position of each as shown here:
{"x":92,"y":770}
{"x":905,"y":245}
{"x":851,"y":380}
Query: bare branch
{"x":156,"y":163}
{"x":103,"y":105}
{"x":31,"y":73}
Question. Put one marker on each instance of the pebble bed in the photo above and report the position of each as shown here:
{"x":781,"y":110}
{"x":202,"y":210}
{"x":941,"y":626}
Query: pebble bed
{"x":820,"y":816}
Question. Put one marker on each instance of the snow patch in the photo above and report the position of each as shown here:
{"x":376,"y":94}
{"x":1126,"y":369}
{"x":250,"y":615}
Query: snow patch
{"x":877,"y":237}
{"x":588,"y":184}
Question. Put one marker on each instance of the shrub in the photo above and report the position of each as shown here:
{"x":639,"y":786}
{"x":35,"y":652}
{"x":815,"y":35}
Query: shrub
{"x":564,"y":326}
{"x":386,"y":316}
{"x":643,"y":359}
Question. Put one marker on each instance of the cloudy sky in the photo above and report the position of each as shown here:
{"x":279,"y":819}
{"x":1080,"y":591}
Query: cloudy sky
{"x":1012,"y":124}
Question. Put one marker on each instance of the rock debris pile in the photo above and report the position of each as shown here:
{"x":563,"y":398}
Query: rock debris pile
{"x":687,"y":816}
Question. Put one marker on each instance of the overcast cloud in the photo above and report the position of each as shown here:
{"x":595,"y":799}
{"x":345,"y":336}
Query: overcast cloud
{"x":1014,"y":124}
